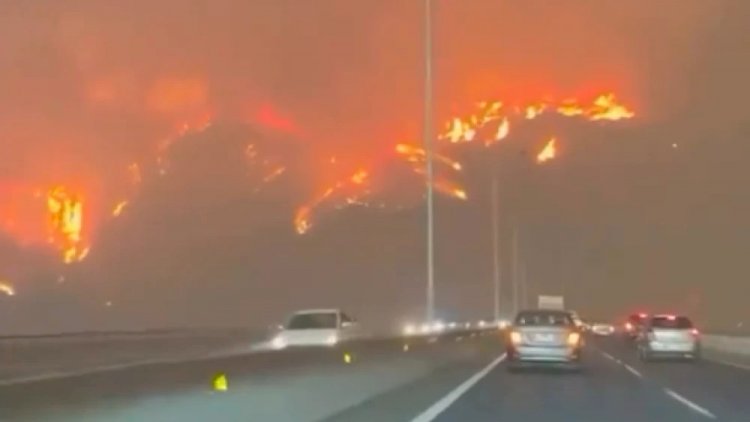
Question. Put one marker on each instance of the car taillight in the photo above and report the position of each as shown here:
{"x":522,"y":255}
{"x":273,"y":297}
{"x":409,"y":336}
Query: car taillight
{"x":629,"y":326}
{"x":515,"y":337}
{"x":695,"y":332}
{"x":573,"y":339}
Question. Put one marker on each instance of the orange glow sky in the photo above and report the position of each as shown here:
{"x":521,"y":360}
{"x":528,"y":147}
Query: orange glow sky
{"x":91,"y":86}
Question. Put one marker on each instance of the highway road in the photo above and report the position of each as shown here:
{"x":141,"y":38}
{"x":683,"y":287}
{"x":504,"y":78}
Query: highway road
{"x":458,"y":377}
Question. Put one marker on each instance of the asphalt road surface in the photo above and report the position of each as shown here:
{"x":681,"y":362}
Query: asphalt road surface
{"x":457,"y":378}
{"x":615,"y":386}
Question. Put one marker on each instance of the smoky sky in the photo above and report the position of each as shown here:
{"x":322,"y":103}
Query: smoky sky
{"x":621,"y":219}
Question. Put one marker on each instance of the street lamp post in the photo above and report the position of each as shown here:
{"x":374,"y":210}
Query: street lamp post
{"x":496,"y":270}
{"x":515,"y":270}
{"x":427,"y":133}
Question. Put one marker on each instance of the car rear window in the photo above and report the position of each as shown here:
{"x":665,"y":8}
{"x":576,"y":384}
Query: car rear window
{"x":543,"y":318}
{"x":675,"y":322}
{"x":312,"y":321}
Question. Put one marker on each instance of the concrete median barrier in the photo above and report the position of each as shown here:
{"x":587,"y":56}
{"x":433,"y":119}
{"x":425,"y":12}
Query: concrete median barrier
{"x":29,"y":358}
{"x":739,"y":345}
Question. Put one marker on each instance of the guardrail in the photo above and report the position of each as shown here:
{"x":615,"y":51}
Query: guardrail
{"x":739,"y":345}
{"x":32,"y":358}
{"x":39,"y":356}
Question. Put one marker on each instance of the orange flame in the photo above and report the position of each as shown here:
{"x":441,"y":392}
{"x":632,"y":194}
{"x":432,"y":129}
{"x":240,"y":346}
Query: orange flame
{"x":606,"y":108}
{"x":303,"y":216}
{"x":65,"y":212}
{"x":548,"y":152}
{"x":276,"y":172}
{"x":466,"y":129}
{"x":302,"y":220}
{"x":119,"y":208}
{"x":7,"y":288}
{"x":359,"y":177}
{"x":534,"y":110}
{"x":449,"y":188}
{"x":503,"y":130}
{"x":416,"y":154}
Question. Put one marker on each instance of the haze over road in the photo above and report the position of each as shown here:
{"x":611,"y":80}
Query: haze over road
{"x":325,"y":171}
{"x":386,"y":383}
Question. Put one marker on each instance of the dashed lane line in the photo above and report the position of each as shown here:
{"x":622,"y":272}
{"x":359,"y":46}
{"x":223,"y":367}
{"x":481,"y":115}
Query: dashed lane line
{"x":693,"y":406}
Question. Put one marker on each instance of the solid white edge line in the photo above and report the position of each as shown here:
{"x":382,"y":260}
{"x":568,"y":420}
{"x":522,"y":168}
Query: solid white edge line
{"x":689,"y":404}
{"x":439,"y":407}
{"x":633,"y":370}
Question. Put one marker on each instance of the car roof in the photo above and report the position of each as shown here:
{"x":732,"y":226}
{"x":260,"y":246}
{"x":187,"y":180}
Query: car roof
{"x":317,"y":311}
{"x":544,"y":311}
{"x":669,"y":316}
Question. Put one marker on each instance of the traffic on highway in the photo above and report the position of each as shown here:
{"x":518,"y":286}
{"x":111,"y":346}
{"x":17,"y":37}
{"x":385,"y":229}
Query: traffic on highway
{"x":374,"y":211}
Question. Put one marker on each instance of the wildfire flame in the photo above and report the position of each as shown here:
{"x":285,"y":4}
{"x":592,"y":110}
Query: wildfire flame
{"x":119,"y":208}
{"x":490,"y":122}
{"x":65,"y":211}
{"x":303,"y":216}
{"x":450,"y":189}
{"x":7,"y":288}
{"x":479,"y":125}
{"x":548,"y":152}
{"x":417,"y":155}
{"x":276,"y":172}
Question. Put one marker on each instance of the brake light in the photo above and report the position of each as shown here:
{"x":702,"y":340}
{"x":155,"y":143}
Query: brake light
{"x":695,"y":332}
{"x":573,"y":339}
{"x":671,"y":317}
{"x":515,"y":337}
{"x":643,"y":315}
{"x":629,"y":326}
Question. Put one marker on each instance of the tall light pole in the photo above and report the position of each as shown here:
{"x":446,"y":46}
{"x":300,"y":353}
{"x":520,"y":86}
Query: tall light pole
{"x":515,"y":269}
{"x":427,"y":133}
{"x":496,"y":270}
{"x":524,"y":286}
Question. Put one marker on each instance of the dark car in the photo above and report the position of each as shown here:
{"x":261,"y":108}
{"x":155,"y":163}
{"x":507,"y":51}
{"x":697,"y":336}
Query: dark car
{"x":634,"y":324}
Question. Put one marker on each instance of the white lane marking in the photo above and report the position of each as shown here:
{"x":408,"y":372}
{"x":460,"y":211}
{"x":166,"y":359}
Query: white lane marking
{"x":727,"y":363}
{"x":689,"y":404}
{"x":608,"y":356}
{"x":612,"y":358}
{"x":632,"y":370}
{"x":439,"y":407}
{"x":619,"y":362}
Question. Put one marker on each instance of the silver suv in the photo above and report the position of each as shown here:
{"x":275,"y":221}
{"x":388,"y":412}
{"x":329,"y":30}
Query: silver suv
{"x":544,"y":338}
{"x":669,"y":336}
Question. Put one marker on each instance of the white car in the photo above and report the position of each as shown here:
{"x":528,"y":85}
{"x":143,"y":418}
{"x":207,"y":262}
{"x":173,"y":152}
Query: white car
{"x":668,"y":336}
{"x":602,"y":329}
{"x":316,"y":327}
